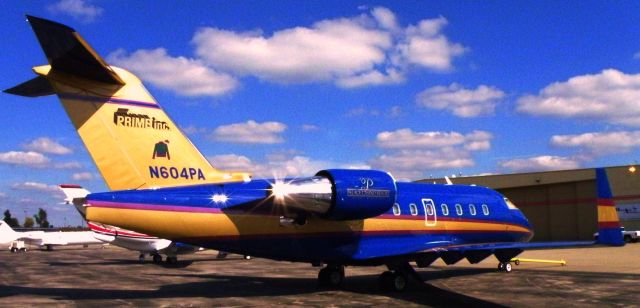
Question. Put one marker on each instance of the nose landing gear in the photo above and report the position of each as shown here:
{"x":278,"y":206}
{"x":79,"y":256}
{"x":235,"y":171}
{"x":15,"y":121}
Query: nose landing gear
{"x":505,"y":267}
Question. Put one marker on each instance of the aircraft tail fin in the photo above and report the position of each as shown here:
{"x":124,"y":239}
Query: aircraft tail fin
{"x":7,"y":235}
{"x":609,"y":227}
{"x":130,"y":138}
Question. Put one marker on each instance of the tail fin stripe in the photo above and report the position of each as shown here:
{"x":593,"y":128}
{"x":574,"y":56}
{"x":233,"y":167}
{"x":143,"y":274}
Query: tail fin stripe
{"x":606,"y":202}
{"x":109,"y":100}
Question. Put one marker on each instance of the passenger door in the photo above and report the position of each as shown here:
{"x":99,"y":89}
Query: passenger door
{"x":430,"y":216}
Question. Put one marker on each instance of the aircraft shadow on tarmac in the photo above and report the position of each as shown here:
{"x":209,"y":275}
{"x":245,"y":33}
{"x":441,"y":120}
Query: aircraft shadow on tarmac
{"x":223,"y":286}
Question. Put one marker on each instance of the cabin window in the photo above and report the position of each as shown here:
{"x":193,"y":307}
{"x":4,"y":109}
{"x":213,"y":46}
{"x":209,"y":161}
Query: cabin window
{"x":396,"y":209}
{"x":472,"y":209}
{"x":414,"y":209}
{"x":429,"y":210}
{"x":445,"y":209}
{"x":485,"y":209}
{"x":458,"y":209}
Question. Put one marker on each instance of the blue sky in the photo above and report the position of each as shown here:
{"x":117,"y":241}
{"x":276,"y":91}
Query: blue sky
{"x":417,"y":88}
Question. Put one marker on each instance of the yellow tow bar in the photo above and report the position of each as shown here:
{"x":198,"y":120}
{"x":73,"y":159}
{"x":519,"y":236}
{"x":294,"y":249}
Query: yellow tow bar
{"x":518,"y":260}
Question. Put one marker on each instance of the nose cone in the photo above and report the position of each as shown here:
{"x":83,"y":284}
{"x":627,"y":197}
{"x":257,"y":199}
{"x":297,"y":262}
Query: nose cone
{"x":522,"y":220}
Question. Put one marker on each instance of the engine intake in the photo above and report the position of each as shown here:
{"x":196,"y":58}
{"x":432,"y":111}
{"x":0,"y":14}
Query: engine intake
{"x":339,"y":194}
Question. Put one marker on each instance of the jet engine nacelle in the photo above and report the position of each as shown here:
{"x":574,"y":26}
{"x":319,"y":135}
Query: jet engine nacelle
{"x":339,"y":194}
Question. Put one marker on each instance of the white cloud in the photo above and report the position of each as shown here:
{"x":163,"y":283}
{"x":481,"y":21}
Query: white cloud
{"x":39,"y":187}
{"x":278,"y":165}
{"x":600,"y":143}
{"x":46,"y":145}
{"x":250,"y":132}
{"x":193,"y":130}
{"x":541,"y":163}
{"x":369,"y":49}
{"x":391,"y":76}
{"x":407,"y":139}
{"x":409,"y":155}
{"x":610,"y":96}
{"x":188,"y":77}
{"x":460,"y":101}
{"x":426,"y":46}
{"x":385,"y":17}
{"x":413,"y":164}
{"x":82,"y":176}
{"x":338,"y":47}
{"x":30,"y":159}
{"x":68,"y":165}
{"x":232,"y":162}
{"x":78,"y":9}
{"x":3,"y":195}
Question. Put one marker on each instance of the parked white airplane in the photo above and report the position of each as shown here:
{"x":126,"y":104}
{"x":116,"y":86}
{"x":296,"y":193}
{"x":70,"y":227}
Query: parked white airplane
{"x":145,"y":244}
{"x":47,"y":239}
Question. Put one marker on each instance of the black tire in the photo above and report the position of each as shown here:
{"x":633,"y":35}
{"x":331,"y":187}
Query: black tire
{"x":13,"y":250}
{"x":517,"y":262}
{"x":393,"y":281}
{"x":627,"y":239}
{"x":141,"y":258}
{"x":507,"y":267}
{"x":172,"y":260}
{"x":501,"y":266}
{"x":331,"y":277}
{"x":157,"y":259}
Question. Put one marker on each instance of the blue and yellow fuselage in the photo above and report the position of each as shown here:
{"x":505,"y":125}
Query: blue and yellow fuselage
{"x":248,"y":221}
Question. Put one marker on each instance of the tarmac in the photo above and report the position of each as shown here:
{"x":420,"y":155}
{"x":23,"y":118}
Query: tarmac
{"x":112,"y":276}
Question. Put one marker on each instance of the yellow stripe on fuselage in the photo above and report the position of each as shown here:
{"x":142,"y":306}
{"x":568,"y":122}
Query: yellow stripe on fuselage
{"x":182,"y":225}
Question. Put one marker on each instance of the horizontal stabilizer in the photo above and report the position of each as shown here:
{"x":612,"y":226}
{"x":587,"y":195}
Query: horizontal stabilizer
{"x":35,"y":87}
{"x":67,"y":52}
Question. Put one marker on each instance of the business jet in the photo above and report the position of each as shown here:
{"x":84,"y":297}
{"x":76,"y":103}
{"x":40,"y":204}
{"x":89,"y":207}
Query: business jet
{"x":47,"y":240}
{"x":145,"y":244}
{"x":163,"y":186}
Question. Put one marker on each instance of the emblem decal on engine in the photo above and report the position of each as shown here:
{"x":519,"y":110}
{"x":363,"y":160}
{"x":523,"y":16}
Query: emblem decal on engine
{"x":371,"y":193}
{"x":366,"y":191}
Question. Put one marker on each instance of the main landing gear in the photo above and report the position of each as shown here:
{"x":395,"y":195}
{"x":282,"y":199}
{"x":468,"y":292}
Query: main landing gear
{"x":395,"y":279}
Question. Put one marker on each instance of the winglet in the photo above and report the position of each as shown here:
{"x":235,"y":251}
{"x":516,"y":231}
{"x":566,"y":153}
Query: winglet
{"x":609,"y":228}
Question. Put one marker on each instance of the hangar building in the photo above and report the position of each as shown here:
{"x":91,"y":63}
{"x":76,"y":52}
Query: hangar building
{"x":561,"y":205}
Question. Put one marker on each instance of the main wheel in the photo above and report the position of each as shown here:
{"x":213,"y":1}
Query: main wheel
{"x":393,"y":281}
{"x":13,"y":249}
{"x":172,"y":260}
{"x":141,"y":258}
{"x":157,"y":258}
{"x":501,"y":266}
{"x":331,"y":276}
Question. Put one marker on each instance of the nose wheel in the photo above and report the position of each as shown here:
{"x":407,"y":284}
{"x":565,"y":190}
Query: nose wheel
{"x":505,"y":267}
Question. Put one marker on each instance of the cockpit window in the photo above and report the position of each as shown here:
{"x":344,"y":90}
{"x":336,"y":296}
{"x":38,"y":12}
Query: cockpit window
{"x":510,"y":204}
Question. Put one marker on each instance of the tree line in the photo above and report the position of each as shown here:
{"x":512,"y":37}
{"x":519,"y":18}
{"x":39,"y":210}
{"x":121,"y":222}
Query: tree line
{"x":39,"y":219}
